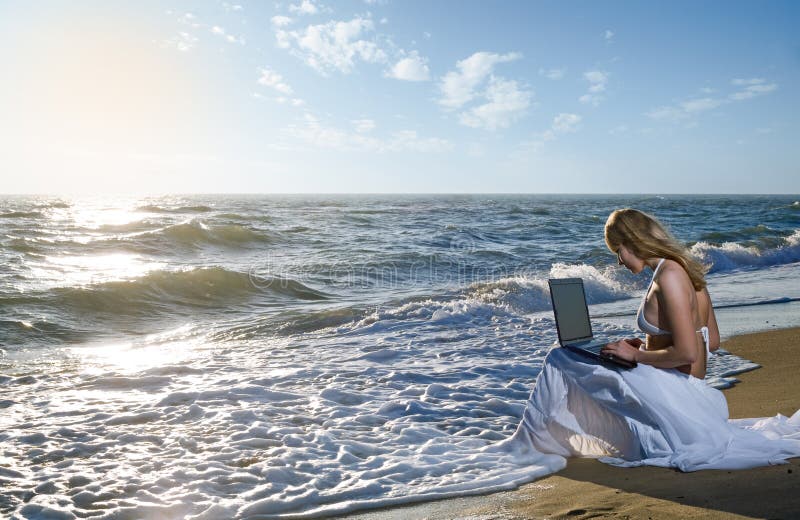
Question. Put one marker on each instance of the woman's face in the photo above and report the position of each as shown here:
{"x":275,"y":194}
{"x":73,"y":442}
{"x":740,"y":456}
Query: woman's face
{"x":628,"y":259}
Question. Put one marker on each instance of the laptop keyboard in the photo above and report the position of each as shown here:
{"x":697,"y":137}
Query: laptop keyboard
{"x":591,"y":347}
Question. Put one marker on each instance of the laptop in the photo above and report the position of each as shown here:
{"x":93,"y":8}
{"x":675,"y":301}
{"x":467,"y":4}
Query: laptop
{"x":572,"y":321}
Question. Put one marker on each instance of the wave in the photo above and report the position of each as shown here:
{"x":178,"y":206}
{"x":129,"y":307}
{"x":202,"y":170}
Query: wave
{"x":37,"y":332}
{"x":166,"y":292}
{"x":160,"y":290}
{"x":128,"y":227}
{"x":196,"y":232}
{"x":182,"y":209}
{"x":22,"y":245}
{"x":245,"y":217}
{"x":528,"y":293}
{"x":483,"y":301}
{"x":369,"y":211}
{"x":289,"y":324}
{"x":732,"y":255}
{"x":748,"y":233}
{"x":140,"y":237}
{"x":439,"y":313}
{"x":22,"y":214}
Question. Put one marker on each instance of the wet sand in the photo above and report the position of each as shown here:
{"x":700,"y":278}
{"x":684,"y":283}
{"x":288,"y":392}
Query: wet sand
{"x":589,"y":489}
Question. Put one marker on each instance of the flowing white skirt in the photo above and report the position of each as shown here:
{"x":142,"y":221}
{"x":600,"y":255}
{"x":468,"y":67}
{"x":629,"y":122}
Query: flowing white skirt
{"x":645,"y":416}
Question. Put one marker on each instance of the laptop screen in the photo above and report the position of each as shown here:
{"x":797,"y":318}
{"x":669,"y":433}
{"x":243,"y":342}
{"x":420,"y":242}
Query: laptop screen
{"x":569,"y":305}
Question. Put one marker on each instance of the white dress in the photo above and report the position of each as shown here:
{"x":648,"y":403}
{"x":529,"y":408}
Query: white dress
{"x":645,"y":416}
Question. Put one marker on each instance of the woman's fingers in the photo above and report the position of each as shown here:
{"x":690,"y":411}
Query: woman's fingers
{"x":610,"y":348}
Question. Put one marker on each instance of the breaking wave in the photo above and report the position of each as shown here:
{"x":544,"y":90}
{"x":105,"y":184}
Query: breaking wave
{"x":729,"y":256}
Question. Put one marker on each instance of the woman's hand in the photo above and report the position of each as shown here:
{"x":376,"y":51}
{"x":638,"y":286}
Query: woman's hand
{"x":622,"y":349}
{"x":636,"y":342}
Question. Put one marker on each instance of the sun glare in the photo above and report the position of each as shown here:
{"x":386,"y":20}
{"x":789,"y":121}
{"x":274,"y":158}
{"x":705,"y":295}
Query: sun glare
{"x":90,"y":97}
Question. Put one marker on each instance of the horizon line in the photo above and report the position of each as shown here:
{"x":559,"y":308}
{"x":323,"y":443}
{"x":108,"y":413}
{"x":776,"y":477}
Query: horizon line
{"x":400,"y":193}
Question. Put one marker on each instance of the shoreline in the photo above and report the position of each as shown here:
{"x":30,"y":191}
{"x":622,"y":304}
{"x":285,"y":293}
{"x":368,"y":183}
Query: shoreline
{"x":587,"y":488}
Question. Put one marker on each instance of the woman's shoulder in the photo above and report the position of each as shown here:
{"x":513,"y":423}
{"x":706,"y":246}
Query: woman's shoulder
{"x":672,"y":274}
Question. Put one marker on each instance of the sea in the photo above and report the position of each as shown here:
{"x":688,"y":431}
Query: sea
{"x":303,"y":356}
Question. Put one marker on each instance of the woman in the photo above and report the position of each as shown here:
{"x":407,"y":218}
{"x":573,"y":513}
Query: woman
{"x":676,"y":312}
{"x":662,"y":412}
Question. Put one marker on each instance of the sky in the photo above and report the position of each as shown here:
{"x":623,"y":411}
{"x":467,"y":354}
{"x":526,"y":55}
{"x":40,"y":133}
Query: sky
{"x":390,"y":96}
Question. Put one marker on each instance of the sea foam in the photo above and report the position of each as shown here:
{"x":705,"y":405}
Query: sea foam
{"x":731,"y":255}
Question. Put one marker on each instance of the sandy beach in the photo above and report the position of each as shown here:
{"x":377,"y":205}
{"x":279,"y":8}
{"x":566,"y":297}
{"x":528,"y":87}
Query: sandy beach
{"x":590,"y":489}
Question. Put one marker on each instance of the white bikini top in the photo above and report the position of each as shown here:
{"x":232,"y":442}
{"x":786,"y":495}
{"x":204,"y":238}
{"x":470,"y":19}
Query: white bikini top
{"x":644,"y":325}
{"x":648,"y":328}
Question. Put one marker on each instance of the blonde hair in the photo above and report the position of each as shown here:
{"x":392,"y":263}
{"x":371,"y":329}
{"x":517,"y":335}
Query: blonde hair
{"x":646,"y":237}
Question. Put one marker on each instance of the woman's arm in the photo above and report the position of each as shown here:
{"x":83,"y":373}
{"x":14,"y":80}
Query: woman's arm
{"x":674,"y":297}
{"x":713,"y":329}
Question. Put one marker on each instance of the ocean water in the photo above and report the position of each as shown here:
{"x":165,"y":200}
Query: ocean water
{"x":304,"y":356}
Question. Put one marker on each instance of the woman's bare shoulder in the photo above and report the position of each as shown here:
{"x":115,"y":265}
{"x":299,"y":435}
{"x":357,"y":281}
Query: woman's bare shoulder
{"x":673,"y":275}
{"x":672,"y":269}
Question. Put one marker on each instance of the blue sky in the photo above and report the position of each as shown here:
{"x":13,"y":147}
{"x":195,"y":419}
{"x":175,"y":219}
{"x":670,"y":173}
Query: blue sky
{"x":409,"y":97}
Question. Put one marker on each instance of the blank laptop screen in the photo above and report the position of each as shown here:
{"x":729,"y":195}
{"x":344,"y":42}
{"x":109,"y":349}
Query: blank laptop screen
{"x":570,"y":307}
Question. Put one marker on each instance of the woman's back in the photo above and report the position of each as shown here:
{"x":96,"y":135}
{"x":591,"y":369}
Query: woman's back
{"x":702,"y":314}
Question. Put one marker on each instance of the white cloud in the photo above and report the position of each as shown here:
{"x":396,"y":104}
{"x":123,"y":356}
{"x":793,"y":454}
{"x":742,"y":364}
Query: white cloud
{"x":608,"y":35}
{"x":597,"y":84}
{"x":333,"y":45}
{"x":363,"y":126}
{"x":219,"y":31}
{"x":686,"y":109}
{"x":554,"y":74}
{"x":274,"y":80}
{"x":506,"y":103}
{"x":304,"y":7}
{"x":183,"y":42}
{"x":753,"y":90}
{"x":409,"y":140}
{"x":458,"y":87}
{"x":699,"y":105}
{"x":312,"y":131}
{"x":563,"y":123}
{"x":189,"y":19}
{"x":280,"y":21}
{"x":597,"y":80}
{"x":742,"y":82}
{"x":411,"y":68}
{"x":666,"y":113}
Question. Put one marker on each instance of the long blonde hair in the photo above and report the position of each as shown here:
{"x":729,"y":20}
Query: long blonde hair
{"x":646,"y":237}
